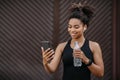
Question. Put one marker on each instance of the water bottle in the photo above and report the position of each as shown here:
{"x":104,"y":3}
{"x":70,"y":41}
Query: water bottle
{"x":77,"y":62}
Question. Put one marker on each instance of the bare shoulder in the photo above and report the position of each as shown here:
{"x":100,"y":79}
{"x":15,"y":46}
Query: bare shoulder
{"x":61,"y":46}
{"x":63,"y":43}
{"x":94,"y":45}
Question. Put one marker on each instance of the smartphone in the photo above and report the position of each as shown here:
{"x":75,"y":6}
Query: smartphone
{"x":45,"y":44}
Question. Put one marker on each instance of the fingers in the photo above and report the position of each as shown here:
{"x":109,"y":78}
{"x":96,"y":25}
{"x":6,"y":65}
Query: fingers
{"x":42,"y":49}
{"x":47,"y":52}
{"x":48,"y":55}
{"x":78,"y":54}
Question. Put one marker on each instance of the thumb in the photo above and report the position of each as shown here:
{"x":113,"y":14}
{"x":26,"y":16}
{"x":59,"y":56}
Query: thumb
{"x":42,"y":49}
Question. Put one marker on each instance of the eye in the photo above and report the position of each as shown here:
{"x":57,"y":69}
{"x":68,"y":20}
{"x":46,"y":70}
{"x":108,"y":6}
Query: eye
{"x":76,"y":26}
{"x":69,"y":26}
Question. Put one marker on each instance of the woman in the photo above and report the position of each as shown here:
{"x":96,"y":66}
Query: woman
{"x":90,"y":53}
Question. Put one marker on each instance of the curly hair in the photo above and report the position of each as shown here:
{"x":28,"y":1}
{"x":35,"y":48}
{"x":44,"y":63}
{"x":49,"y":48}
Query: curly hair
{"x":83,"y":12}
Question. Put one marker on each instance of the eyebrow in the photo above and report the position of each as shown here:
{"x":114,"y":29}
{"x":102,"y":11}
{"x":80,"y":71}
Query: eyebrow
{"x":75,"y":24}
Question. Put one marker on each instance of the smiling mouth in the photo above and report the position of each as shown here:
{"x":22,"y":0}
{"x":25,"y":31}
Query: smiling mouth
{"x":73,"y":34}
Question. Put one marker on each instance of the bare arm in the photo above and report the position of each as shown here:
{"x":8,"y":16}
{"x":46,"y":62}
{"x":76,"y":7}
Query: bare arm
{"x":97,"y":68}
{"x":53,"y":65}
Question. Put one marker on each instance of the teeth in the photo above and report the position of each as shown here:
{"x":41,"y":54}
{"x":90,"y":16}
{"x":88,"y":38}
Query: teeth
{"x":72,"y":33}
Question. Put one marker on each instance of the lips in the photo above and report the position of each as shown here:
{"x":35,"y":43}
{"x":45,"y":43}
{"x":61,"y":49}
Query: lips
{"x":73,"y":34}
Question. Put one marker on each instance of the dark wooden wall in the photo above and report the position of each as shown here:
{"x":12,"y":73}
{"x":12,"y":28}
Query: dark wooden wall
{"x":117,"y":25}
{"x":24,"y":23}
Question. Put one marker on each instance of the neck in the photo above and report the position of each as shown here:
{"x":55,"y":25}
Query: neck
{"x":80,"y":40}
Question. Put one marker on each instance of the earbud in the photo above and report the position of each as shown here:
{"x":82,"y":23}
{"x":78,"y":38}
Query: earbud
{"x":84,"y":28}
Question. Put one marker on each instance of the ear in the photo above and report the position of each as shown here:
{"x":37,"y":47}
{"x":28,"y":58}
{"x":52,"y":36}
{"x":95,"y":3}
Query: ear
{"x":85,"y":27}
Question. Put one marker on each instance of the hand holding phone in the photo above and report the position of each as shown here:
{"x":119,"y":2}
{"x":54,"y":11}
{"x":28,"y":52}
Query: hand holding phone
{"x":45,"y":44}
{"x":48,"y":54}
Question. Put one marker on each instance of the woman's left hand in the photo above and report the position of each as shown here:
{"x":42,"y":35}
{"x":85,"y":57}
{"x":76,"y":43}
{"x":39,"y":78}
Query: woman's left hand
{"x":80,"y":54}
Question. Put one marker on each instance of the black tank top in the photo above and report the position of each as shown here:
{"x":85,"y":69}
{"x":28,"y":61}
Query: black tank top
{"x":75,"y":73}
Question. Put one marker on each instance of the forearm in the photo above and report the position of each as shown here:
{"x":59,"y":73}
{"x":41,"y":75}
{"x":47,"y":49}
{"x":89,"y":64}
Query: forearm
{"x":96,"y":70}
{"x":47,"y":67}
{"x":52,"y":65}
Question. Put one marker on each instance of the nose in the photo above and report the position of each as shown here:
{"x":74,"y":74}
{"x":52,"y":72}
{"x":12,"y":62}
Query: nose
{"x":72,"y":29}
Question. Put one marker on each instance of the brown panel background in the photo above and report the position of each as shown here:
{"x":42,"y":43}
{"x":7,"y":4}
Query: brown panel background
{"x":24,"y":23}
{"x":117,"y":26}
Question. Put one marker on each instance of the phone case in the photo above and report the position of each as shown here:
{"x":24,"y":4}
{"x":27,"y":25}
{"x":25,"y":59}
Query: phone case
{"x":45,"y":44}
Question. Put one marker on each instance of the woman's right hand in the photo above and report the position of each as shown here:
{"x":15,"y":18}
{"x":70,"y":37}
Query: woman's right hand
{"x":47,"y":55}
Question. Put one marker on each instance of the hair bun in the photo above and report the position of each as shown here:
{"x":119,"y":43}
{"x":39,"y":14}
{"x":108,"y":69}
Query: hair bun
{"x":75,"y":7}
{"x":82,"y":12}
{"x":89,"y":11}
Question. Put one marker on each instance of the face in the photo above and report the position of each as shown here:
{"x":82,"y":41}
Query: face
{"x":75,"y":28}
